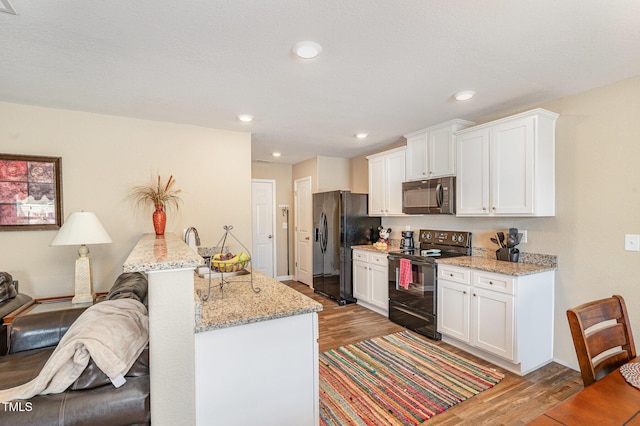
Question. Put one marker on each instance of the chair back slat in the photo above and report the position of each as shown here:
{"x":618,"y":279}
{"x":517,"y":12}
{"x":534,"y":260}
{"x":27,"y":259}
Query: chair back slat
{"x":606,"y":338}
{"x":599,"y":311}
{"x":612,"y":335}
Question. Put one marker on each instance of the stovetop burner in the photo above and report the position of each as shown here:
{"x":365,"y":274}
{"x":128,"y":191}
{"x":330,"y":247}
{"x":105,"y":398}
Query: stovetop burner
{"x":438,"y":244}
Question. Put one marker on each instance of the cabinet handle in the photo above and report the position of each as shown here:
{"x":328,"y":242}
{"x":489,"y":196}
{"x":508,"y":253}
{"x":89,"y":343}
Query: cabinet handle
{"x":484,"y":208}
{"x":450,"y":275}
{"x":464,"y":292}
{"x":474,"y":295}
{"x":493,"y":208}
{"x":490,"y":282}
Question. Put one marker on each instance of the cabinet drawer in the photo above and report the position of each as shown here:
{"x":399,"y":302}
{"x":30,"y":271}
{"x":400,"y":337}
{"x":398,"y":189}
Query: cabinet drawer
{"x":502,"y":283}
{"x":378,"y":259}
{"x":359,"y":255}
{"x":453,"y":274}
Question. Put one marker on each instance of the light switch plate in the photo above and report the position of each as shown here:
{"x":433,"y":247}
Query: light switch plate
{"x":632,"y":242}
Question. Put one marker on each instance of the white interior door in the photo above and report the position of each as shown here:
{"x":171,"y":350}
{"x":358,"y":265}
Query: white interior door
{"x":263,"y":225}
{"x":303,"y":224}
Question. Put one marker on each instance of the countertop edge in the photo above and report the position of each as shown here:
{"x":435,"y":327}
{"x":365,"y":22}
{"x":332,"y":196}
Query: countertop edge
{"x":497,"y":266}
{"x":241,"y":306}
{"x":254,"y":320}
{"x":160,"y":253}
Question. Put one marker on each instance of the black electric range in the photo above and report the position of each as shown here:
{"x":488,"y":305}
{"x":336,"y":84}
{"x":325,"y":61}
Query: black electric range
{"x":413,"y":292}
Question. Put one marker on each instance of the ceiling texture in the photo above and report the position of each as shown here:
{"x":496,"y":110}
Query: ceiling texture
{"x":387,"y":67}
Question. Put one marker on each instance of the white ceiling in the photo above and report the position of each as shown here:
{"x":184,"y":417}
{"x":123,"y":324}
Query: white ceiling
{"x":387,"y":67}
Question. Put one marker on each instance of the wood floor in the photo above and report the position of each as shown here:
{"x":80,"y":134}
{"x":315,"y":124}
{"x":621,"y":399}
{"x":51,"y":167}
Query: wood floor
{"x":514,"y":401}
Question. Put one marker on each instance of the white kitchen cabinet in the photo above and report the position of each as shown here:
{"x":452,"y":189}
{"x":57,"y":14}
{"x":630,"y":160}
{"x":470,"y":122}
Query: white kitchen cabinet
{"x":371,"y":280}
{"x":453,"y":309}
{"x":431,"y":152}
{"x":386,"y":174}
{"x":492,"y":314}
{"x":507,"y":167}
{"x":504,"y":319}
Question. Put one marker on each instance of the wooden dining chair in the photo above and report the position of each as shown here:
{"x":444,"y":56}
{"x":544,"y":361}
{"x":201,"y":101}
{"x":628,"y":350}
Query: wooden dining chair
{"x":597,"y":327}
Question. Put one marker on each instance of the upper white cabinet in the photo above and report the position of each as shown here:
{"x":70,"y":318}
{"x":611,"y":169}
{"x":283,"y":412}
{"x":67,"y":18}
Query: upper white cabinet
{"x":386,"y":174}
{"x":507,"y":167}
{"x":431,"y":152}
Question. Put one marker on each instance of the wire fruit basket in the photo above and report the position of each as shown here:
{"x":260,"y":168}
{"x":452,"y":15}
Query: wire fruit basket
{"x":228,"y":264}
{"x":235,"y":264}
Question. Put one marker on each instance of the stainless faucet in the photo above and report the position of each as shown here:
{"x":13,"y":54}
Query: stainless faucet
{"x":195,"y":233}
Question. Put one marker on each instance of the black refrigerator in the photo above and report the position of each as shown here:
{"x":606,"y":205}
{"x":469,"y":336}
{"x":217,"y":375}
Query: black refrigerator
{"x":340,"y":221}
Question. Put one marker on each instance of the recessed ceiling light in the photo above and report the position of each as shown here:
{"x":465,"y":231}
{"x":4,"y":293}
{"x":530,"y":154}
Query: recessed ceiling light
{"x":245,"y":117}
{"x":464,"y":96}
{"x":307,"y":49}
{"x":276,"y":154}
{"x":361,"y":135}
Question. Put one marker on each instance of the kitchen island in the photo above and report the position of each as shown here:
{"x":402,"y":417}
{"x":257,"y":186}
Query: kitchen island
{"x":256,"y":353}
{"x":238,"y":358}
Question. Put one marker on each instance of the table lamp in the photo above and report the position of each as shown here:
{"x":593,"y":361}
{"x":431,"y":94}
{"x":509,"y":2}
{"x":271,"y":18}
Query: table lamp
{"x":82,"y":228}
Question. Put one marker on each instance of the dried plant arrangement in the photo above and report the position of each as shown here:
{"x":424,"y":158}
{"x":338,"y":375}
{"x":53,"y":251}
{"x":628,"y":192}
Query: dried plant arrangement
{"x":157,"y":193}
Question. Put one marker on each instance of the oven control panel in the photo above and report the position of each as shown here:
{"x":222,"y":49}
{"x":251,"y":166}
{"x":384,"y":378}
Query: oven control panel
{"x":455,"y":238}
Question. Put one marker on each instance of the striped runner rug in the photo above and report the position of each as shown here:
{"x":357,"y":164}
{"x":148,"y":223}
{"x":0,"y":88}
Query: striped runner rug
{"x":399,"y":379}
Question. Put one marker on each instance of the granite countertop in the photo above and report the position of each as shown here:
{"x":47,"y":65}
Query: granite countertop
{"x":497,"y":266}
{"x":160,"y":252}
{"x":237,"y":304}
{"x":371,"y":247}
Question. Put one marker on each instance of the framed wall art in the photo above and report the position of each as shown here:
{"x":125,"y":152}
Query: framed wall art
{"x":30,"y":192}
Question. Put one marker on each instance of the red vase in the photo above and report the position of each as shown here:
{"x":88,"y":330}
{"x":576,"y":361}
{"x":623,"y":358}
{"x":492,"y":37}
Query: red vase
{"x":159,"y":219}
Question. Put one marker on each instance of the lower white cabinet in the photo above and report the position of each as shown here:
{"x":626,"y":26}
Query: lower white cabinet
{"x":504,"y":319}
{"x":371,"y":280}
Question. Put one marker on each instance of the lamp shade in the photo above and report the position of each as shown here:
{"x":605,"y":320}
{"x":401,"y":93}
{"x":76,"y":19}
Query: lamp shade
{"x":81,"y":228}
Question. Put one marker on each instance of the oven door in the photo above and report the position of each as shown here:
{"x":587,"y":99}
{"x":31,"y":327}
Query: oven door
{"x":421,"y":292}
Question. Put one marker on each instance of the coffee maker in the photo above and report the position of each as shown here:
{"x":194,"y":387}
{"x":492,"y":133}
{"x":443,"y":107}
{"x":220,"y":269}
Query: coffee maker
{"x":406,"y":243}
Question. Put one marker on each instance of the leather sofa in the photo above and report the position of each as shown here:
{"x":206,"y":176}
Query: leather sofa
{"x":91,"y":399}
{"x":10,"y":300}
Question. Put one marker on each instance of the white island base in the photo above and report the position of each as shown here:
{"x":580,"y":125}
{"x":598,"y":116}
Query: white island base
{"x":263,"y":373}
{"x":240,"y":357}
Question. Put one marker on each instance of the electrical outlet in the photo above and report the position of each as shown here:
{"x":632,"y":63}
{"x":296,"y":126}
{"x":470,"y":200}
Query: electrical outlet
{"x":524,"y":236}
{"x":632,"y":242}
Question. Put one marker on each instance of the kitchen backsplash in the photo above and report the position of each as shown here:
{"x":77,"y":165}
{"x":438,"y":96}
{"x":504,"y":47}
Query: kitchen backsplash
{"x":530,"y":258}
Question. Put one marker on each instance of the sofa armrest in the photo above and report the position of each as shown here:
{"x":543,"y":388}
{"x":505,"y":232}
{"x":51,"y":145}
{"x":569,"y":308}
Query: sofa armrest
{"x":41,"y":330}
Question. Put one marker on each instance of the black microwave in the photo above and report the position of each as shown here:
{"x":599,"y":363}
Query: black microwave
{"x":431,"y":196}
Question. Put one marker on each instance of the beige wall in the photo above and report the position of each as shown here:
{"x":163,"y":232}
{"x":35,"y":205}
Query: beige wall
{"x":327,"y":173}
{"x":102,"y":157}
{"x":333,"y":174}
{"x":282,"y":174}
{"x":597,"y":202}
{"x":359,"y":175}
{"x":307,"y":168}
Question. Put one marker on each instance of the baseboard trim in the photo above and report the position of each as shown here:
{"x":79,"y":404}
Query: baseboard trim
{"x":285,"y":278}
{"x":567,"y":364}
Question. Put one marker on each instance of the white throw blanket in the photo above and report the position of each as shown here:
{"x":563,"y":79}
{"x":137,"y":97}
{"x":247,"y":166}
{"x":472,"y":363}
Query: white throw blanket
{"x":114,"y":333}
